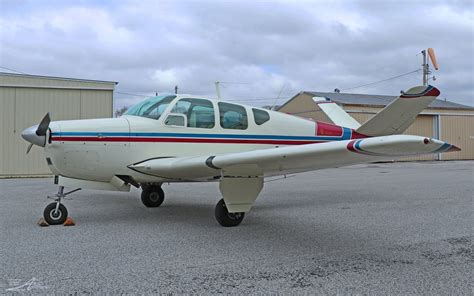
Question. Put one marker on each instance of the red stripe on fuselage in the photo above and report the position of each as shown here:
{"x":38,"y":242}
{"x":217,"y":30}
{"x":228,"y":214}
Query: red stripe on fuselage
{"x":327,"y":129}
{"x":180,"y":140}
{"x":356,"y":135}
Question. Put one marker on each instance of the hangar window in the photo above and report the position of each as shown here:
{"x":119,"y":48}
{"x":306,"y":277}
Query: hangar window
{"x":199,"y":112}
{"x":260,"y":116}
{"x":152,"y":107}
{"x":232,"y":116}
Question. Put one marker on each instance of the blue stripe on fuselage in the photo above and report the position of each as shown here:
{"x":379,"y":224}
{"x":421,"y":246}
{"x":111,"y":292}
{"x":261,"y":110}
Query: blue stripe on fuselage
{"x":345,"y":136}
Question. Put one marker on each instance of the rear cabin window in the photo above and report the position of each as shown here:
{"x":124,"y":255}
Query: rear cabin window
{"x":232,"y":116}
{"x":199,"y":112}
{"x":260,"y":116}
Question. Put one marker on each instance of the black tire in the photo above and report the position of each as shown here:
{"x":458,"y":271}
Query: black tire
{"x":152,"y":196}
{"x":55,"y":218}
{"x":225,"y":218}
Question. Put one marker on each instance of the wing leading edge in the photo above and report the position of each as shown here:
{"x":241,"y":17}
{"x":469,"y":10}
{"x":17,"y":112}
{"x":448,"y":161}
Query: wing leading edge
{"x":291,"y":159}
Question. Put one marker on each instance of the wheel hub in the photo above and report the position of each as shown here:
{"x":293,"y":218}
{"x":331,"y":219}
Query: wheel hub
{"x":154,"y":196}
{"x":55,"y":214}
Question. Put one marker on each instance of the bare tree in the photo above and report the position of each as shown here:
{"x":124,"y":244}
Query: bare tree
{"x":121,"y":111}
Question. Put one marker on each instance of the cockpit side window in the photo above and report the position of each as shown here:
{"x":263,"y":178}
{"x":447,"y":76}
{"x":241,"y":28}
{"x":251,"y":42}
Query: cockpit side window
{"x":260,"y":116}
{"x":232,"y":116}
{"x":199,"y":112}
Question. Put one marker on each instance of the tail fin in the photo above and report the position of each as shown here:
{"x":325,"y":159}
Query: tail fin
{"x":401,"y":113}
{"x":337,"y":115}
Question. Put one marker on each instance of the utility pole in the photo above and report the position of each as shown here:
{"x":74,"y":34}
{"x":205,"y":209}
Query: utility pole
{"x":218,"y":90}
{"x":426,"y":68}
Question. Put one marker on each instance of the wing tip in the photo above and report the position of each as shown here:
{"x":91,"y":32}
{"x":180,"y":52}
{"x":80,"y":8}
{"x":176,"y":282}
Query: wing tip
{"x":428,"y":91}
{"x":355,"y":146}
{"x":446,"y":147}
{"x":454,"y":148}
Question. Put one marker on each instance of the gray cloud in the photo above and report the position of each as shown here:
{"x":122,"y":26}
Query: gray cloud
{"x":151,"y":46}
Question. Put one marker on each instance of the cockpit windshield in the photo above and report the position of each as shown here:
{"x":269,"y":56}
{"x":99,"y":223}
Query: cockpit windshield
{"x":151,"y":108}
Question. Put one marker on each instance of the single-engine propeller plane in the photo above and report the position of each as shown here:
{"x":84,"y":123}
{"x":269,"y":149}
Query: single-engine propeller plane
{"x":183,"y":138}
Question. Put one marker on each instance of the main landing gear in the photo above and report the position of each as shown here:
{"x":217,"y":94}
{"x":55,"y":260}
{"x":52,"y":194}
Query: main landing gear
{"x":152,"y":196}
{"x":56,"y":213}
{"x":239,"y":194}
{"x":225,"y":218}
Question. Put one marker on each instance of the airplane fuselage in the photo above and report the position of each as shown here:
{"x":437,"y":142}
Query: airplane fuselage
{"x":98,"y":149}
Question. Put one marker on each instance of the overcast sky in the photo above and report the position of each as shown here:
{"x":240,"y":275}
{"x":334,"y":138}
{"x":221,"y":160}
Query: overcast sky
{"x":267,"y":47}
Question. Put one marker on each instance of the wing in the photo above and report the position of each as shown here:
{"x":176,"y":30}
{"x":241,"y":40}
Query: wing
{"x":291,"y":159}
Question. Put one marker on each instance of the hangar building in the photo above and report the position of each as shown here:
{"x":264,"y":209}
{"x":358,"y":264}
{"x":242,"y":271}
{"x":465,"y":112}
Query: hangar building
{"x":25,"y":99}
{"x":448,"y":121}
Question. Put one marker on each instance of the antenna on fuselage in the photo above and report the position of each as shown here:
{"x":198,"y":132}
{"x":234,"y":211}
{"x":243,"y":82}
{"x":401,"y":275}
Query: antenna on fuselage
{"x":218,"y":90}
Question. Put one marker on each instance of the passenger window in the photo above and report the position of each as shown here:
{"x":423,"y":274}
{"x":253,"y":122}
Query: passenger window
{"x":199,"y":113}
{"x":176,"y":120}
{"x":232,"y":116}
{"x":260,"y":116}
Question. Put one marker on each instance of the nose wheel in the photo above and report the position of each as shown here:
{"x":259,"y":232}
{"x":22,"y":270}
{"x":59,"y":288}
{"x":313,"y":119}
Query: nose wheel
{"x":56,"y":213}
{"x":225,"y":218}
{"x":152,"y":196}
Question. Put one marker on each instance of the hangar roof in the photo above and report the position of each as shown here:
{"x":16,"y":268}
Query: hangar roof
{"x":38,"y":81}
{"x":375,"y":100}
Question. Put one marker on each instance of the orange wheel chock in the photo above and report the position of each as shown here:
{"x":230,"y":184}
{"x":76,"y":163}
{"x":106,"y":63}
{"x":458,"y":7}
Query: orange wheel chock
{"x":69,"y":222}
{"x":42,"y":222}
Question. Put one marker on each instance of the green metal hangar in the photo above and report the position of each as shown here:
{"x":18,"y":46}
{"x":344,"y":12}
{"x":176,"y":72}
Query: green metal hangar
{"x":25,"y":99}
{"x":448,"y":121}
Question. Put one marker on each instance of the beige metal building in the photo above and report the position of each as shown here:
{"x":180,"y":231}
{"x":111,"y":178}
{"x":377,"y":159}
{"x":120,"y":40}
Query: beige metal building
{"x":25,"y":99}
{"x":448,"y":121}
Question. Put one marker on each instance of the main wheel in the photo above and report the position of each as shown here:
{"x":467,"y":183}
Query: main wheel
{"x":225,"y":218}
{"x":152,"y":196}
{"x":54,"y":217}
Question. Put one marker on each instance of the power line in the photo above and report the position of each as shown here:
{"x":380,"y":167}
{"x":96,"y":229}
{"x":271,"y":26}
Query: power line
{"x":130,"y":94}
{"x":251,"y":100}
{"x":9,"y":69}
{"x":270,"y":98}
{"x":279,"y":94}
{"x":231,"y":82}
{"x":237,"y":98}
{"x":383,"y":80}
{"x":258,"y":99}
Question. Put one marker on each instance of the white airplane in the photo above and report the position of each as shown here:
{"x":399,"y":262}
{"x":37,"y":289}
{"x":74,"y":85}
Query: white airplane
{"x":182,"y":138}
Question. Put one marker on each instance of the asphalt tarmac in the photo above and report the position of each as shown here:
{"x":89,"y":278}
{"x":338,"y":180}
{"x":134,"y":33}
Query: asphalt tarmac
{"x":394,"y":228}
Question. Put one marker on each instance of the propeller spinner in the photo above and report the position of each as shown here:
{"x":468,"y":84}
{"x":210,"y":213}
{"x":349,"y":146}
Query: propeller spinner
{"x":36,"y":134}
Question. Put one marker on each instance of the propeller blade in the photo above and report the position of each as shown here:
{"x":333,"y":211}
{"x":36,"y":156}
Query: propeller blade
{"x":29,"y":148}
{"x":43,"y":126}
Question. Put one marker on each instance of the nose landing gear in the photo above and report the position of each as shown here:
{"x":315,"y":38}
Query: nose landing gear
{"x":56,"y":213}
